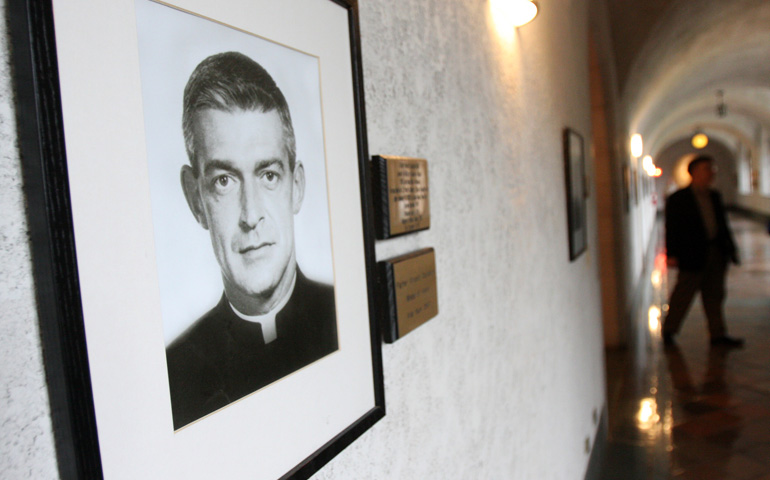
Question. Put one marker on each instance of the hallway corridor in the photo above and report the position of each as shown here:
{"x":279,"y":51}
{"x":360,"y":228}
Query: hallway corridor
{"x":693,"y":411}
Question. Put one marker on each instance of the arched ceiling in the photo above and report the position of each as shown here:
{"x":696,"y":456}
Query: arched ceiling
{"x":674,"y":55}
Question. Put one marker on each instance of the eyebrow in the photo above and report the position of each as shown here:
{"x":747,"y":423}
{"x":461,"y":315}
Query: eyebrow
{"x":226,"y":165}
{"x":212,"y":165}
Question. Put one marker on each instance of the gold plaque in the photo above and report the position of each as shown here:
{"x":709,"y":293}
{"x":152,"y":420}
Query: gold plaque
{"x":402,"y":193}
{"x":412,"y":296}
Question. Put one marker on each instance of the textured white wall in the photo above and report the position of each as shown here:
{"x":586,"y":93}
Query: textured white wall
{"x":755,"y":202}
{"x":503,"y":383}
{"x":26,"y":441}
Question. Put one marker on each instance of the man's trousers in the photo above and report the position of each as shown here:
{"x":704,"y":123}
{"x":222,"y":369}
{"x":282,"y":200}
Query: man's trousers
{"x":710,"y":282}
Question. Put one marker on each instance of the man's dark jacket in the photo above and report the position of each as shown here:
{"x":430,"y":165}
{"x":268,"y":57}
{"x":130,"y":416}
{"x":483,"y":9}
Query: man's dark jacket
{"x":222,"y":357}
{"x":686,"y":235}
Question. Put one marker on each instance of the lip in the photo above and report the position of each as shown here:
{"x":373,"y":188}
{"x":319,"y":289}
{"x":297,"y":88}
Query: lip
{"x":254,"y":249}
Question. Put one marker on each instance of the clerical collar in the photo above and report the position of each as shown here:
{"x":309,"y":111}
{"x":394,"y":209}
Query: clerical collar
{"x":269,"y":331}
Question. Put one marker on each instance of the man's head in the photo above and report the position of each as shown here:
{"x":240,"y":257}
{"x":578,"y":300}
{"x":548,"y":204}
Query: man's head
{"x":701,"y":169}
{"x":232,"y":81}
{"x":243,"y":183}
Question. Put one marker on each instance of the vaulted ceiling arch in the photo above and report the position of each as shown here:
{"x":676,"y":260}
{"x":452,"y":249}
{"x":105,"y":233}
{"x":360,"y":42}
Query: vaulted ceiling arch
{"x":688,"y":50}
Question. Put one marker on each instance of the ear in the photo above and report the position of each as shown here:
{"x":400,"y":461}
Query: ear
{"x":298,"y":192}
{"x":192,"y":195}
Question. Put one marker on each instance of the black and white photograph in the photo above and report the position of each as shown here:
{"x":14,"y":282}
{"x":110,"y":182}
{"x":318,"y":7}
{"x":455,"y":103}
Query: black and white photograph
{"x":240,"y":212}
{"x":215,"y":259}
{"x":574,"y":163}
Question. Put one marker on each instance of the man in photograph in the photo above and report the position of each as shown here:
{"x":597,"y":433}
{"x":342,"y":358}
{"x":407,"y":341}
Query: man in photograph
{"x":244,"y":185}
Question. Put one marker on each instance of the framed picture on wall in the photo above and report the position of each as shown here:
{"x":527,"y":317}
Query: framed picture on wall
{"x":626,"y":184}
{"x":203,"y":252}
{"x":574,"y":168}
{"x":635,"y":184}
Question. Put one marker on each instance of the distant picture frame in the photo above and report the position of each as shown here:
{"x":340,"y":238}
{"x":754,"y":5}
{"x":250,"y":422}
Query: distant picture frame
{"x":575,"y":180}
{"x":635,"y":183}
{"x":85,"y":118}
{"x":625,"y":179}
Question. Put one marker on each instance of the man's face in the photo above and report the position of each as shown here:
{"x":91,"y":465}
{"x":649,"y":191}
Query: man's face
{"x":246,"y":196}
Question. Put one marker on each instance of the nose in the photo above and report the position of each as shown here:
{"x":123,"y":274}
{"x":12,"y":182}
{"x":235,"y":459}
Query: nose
{"x":251,"y":207}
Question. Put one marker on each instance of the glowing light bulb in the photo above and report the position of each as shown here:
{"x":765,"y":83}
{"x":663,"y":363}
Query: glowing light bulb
{"x":656,"y":278}
{"x":700,"y":140}
{"x":524,"y":12}
{"x":647,"y":164}
{"x":654,"y":318}
{"x":637,"y":147}
{"x":513,"y":13}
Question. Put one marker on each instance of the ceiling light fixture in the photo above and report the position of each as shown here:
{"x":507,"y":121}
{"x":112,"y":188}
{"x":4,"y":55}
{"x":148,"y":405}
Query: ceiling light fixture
{"x":721,"y":107}
{"x":699,"y":139}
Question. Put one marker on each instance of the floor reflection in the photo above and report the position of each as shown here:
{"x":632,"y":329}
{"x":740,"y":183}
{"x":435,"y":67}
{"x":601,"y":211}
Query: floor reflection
{"x":693,"y":411}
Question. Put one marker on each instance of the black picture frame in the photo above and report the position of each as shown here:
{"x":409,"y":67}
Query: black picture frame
{"x":625,"y":184}
{"x":575,"y":181}
{"x":58,"y":274}
{"x":635,"y":183}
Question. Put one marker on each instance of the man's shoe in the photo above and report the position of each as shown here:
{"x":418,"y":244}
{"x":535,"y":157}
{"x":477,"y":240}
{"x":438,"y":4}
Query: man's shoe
{"x":725,"y":341}
{"x":668,"y":340}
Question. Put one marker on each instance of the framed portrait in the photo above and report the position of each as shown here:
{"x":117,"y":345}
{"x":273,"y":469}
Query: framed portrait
{"x":574,"y":168}
{"x":635,"y":183}
{"x":202,"y":238}
{"x":626,"y":185}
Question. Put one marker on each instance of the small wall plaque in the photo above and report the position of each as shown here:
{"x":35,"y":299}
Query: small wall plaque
{"x":409,"y":293}
{"x":401,"y":195}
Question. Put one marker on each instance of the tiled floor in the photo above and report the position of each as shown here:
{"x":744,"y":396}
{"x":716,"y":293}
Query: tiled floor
{"x":692,"y":411}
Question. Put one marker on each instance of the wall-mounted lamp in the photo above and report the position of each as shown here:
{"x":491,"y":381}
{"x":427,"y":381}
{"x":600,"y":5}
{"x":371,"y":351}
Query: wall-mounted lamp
{"x":524,"y":12}
{"x":699,"y":140}
{"x":649,"y":166}
{"x":514,"y":12}
{"x":637,"y":148}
